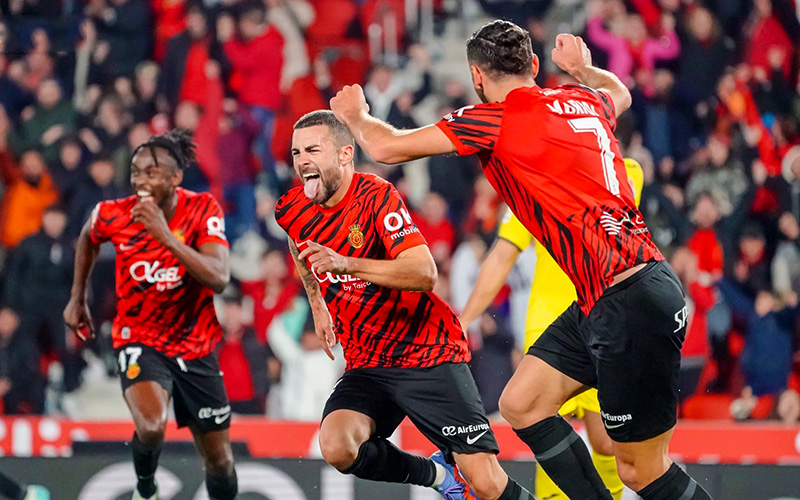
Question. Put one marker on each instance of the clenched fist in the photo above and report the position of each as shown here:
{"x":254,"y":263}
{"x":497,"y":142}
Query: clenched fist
{"x":349,"y":103}
{"x":571,"y":54}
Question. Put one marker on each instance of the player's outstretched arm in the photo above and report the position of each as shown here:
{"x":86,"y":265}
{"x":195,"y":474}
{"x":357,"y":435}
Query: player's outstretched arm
{"x":412,"y":270}
{"x":493,"y":273}
{"x":323,"y":324}
{"x":572,"y":55}
{"x":380,"y":140}
{"x":76,"y":314}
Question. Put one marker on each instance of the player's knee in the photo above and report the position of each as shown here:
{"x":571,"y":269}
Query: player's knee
{"x":339,"y":452}
{"x":519,"y":410}
{"x":220,"y":463}
{"x":487,"y":484}
{"x":633,"y":477}
{"x":151,"y":431}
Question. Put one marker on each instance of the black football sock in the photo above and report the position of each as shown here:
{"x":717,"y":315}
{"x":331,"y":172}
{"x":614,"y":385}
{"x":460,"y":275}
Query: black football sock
{"x":514,"y":491}
{"x":145,"y":462}
{"x":11,"y":489}
{"x":222,"y":488}
{"x":380,"y":460}
{"x":564,"y":456}
{"x":675,"y":484}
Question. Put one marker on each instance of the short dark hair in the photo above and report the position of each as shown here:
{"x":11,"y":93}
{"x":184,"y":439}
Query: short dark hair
{"x":501,"y":47}
{"x":338,"y":129}
{"x":254,"y":8}
{"x":177,"y":142}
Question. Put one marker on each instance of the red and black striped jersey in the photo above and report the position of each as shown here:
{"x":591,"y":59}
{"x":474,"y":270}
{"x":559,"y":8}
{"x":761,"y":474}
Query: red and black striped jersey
{"x":159,"y":303}
{"x":551,"y":154}
{"x":377,"y":326}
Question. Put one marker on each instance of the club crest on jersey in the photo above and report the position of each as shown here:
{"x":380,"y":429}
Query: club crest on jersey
{"x":356,"y":237}
{"x":133,"y":371}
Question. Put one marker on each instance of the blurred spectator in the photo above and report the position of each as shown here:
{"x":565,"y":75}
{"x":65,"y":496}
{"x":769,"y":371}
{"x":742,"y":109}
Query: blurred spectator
{"x":436,"y":228}
{"x":43,"y":125}
{"x":38,"y":288}
{"x":308,"y":376}
{"x":28,"y":193}
{"x":767,"y":354}
{"x":291,"y":18}
{"x":491,"y":363}
{"x":632,"y":53}
{"x":242,"y":358}
{"x":183,"y":77}
{"x":169,"y":18}
{"x":70,"y":168}
{"x":256,"y":53}
{"x":94,"y":188}
{"x":751,"y":269}
{"x":107,"y":136}
{"x":786,"y":263}
{"x":125,"y":25}
{"x":767,"y":35}
{"x":22,"y":385}
{"x":484,"y":214}
{"x":144,"y":105}
{"x":273,"y":294}
{"x":705,"y":55}
{"x":718,"y":172}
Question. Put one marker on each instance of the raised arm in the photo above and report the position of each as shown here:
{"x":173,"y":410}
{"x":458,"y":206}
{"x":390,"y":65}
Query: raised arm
{"x":381,"y":141}
{"x":323,"y":323}
{"x":413,"y":269}
{"x":572,"y":56}
{"x":492,"y":275}
{"x":76,"y":314}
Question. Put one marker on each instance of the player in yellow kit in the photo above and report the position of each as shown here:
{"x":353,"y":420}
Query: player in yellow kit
{"x":551,"y":293}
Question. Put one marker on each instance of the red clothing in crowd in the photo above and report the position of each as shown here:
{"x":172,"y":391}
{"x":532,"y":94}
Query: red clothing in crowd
{"x":769,"y":34}
{"x":234,"y":364}
{"x":705,"y":245}
{"x":265,"y":309}
{"x":170,"y":19}
{"x":702,"y":300}
{"x":441,"y":233}
{"x":257,"y":68}
{"x":194,"y":87}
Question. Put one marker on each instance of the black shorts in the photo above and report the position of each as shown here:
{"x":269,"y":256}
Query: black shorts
{"x":629,"y":348}
{"x":441,"y":401}
{"x":195,"y":385}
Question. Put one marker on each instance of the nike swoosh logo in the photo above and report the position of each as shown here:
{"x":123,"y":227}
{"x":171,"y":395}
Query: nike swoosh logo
{"x":471,"y":440}
{"x":124,"y":247}
{"x":221,"y":418}
{"x":613,"y":426}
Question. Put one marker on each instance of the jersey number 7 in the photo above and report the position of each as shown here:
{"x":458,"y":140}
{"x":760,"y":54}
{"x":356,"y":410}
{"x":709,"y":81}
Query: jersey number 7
{"x":593,"y":125}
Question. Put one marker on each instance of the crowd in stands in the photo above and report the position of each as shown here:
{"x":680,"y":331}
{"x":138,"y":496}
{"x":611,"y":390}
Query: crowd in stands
{"x":715,"y":124}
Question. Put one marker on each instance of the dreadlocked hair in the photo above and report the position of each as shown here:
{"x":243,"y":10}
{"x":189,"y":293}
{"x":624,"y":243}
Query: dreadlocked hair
{"x":177,"y":142}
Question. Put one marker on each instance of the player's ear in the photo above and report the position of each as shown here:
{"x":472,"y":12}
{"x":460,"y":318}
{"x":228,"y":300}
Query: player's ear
{"x":177,"y":178}
{"x":477,"y":76}
{"x":535,"y":65}
{"x":346,"y":154}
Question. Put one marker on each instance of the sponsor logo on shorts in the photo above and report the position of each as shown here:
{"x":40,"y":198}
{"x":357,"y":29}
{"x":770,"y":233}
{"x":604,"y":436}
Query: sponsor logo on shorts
{"x":470,"y":430}
{"x":614,"y":421}
{"x":681,"y":317}
{"x":218,"y":414}
{"x":133,"y":371}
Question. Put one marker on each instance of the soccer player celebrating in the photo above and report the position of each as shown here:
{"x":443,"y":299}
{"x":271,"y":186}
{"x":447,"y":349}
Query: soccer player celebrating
{"x":551,"y":155}
{"x":369,"y":277}
{"x":172,"y":255}
{"x":551,"y":293}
